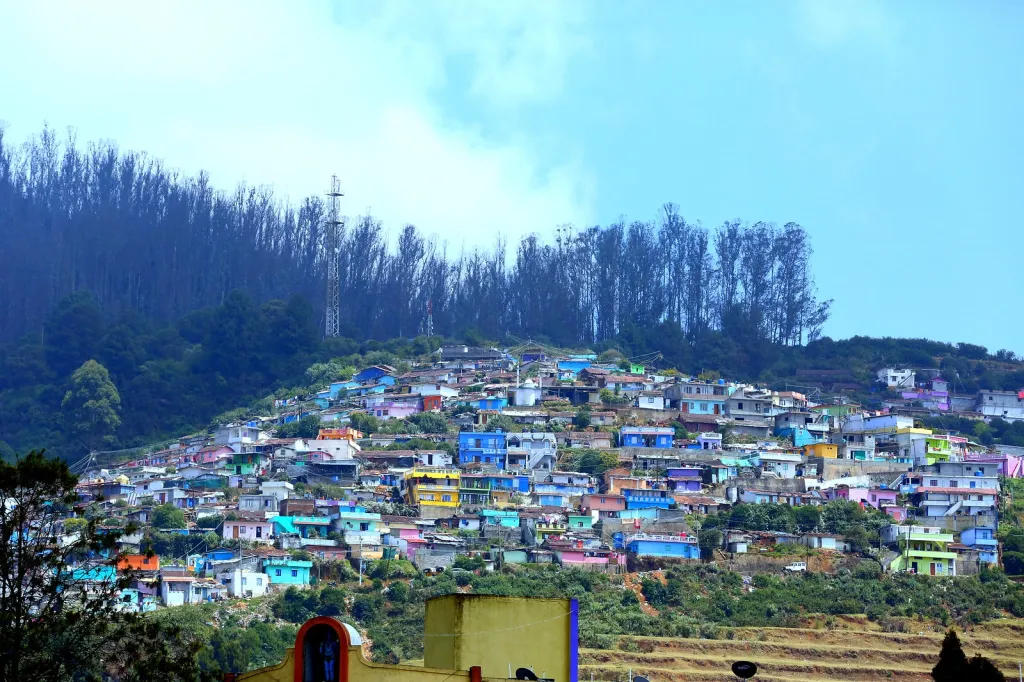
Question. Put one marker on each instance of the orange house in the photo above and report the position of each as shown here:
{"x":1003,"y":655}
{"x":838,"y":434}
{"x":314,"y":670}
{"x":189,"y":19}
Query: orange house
{"x":138,"y":562}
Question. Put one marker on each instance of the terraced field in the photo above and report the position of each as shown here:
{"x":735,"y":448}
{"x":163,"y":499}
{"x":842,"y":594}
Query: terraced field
{"x":854,"y":650}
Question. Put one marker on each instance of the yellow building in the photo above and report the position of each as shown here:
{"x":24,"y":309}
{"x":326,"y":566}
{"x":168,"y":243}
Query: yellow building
{"x":468,"y":638}
{"x":825,"y":450}
{"x":432,"y":487}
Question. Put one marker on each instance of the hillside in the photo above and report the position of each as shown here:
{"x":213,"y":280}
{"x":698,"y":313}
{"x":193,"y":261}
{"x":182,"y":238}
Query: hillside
{"x":175,"y":378}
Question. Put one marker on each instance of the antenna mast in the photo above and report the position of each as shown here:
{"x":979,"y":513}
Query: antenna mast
{"x":430,"y":319}
{"x":333,"y":238}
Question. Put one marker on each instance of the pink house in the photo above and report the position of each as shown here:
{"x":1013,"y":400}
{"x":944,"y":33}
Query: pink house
{"x":1011,"y":466}
{"x":607,"y":506}
{"x":250,"y":530}
{"x":575,"y":554}
{"x":873,"y":497}
{"x":390,"y":408}
{"x":898,"y":514}
{"x":214,"y":453}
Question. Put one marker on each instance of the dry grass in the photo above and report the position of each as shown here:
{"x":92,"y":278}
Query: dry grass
{"x":853,"y":650}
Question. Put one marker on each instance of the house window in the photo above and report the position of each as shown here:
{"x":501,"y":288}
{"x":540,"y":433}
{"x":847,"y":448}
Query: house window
{"x":973,"y":484}
{"x":953,"y":484}
{"x":446,"y":498}
{"x":295,"y":573}
{"x":277,"y":572}
{"x":739,"y":406}
{"x":245,"y":581}
{"x":259,"y":582}
{"x":933,"y":482}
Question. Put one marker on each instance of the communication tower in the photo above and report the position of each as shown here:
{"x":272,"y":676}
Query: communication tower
{"x":332,"y":242}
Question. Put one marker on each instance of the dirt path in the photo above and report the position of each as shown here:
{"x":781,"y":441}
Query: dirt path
{"x":634,"y":583}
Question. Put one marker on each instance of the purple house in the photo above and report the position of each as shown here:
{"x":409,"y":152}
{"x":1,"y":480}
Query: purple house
{"x":684,"y":479}
{"x":873,"y":497}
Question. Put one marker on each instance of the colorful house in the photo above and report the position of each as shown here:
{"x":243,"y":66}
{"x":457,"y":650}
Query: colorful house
{"x":648,"y":499}
{"x":873,"y":497}
{"x":287,"y":571}
{"x":983,"y":540}
{"x":665,"y":546}
{"x":823,"y":450}
{"x":250,"y":529}
{"x":646,"y":436}
{"x":483,"y":448}
{"x":245,"y":463}
{"x":920,"y":549}
{"x":433,"y":487}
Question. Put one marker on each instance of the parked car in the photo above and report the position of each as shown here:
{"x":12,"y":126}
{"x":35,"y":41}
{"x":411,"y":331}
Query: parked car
{"x":797,"y":566}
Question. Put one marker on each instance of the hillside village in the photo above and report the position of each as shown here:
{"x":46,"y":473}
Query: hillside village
{"x":535,"y":456}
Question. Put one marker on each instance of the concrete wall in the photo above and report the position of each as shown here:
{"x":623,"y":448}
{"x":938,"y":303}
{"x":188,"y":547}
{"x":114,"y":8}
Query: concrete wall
{"x":840,"y":468}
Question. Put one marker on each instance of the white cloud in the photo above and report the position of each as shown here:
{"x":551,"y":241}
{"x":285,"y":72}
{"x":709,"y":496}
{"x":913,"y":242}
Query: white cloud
{"x":287,"y":94}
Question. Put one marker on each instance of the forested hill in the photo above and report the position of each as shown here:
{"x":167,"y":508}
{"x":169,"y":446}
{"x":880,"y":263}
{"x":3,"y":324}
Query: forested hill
{"x":195,"y":303}
{"x":142,"y":238}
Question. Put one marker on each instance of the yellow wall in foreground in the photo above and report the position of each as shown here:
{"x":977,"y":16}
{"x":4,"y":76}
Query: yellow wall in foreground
{"x":464,"y":630}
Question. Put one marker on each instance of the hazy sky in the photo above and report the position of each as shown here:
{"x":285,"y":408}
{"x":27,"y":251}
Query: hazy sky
{"x":891,"y":131}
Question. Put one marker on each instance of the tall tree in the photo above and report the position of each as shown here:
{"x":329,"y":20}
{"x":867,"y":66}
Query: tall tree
{"x":92,"y":405}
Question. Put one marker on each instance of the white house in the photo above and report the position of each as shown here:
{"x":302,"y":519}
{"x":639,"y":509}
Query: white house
{"x":782,"y":463}
{"x":651,"y":400}
{"x":243,"y":583}
{"x":282,"y":490}
{"x":1008,"y":405}
{"x":237,"y":437}
{"x":897,"y":379}
{"x":252,"y":530}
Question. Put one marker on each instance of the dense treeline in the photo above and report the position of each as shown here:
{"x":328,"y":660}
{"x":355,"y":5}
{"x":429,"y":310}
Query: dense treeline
{"x":174,"y":378}
{"x":171,"y":379}
{"x":140,"y":237}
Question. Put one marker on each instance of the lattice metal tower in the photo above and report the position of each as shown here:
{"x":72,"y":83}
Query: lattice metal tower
{"x":333,"y":243}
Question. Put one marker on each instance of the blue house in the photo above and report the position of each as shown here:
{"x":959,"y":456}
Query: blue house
{"x":375,"y":374}
{"x":983,"y":540}
{"x":339,"y":388}
{"x":490,"y":404}
{"x":684,"y":479}
{"x":287,"y":571}
{"x":497,"y":517}
{"x":646,"y":436}
{"x":482,"y":448}
{"x":572,"y":367}
{"x":647,"y":499}
{"x":665,"y":546}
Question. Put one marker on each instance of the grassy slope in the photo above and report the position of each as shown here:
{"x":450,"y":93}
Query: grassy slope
{"x":853,"y":650}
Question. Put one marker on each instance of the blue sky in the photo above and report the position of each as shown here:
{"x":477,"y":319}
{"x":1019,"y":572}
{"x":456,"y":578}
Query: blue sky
{"x":891,"y":131}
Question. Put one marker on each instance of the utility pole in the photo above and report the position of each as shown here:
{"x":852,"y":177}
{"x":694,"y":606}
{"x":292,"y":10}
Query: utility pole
{"x":332,"y":317}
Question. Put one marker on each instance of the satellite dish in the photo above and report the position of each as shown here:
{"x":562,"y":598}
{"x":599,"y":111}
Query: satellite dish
{"x":525,"y":674}
{"x":744,"y":669}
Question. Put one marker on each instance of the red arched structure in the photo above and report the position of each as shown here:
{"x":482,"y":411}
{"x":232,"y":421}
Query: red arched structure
{"x":343,"y":644}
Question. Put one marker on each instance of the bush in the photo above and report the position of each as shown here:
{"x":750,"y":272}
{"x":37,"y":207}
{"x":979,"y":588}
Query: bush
{"x":868,"y":569}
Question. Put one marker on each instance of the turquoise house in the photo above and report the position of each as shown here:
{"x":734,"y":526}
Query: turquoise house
{"x":498,"y":517}
{"x":581,"y":521}
{"x":287,"y":571}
